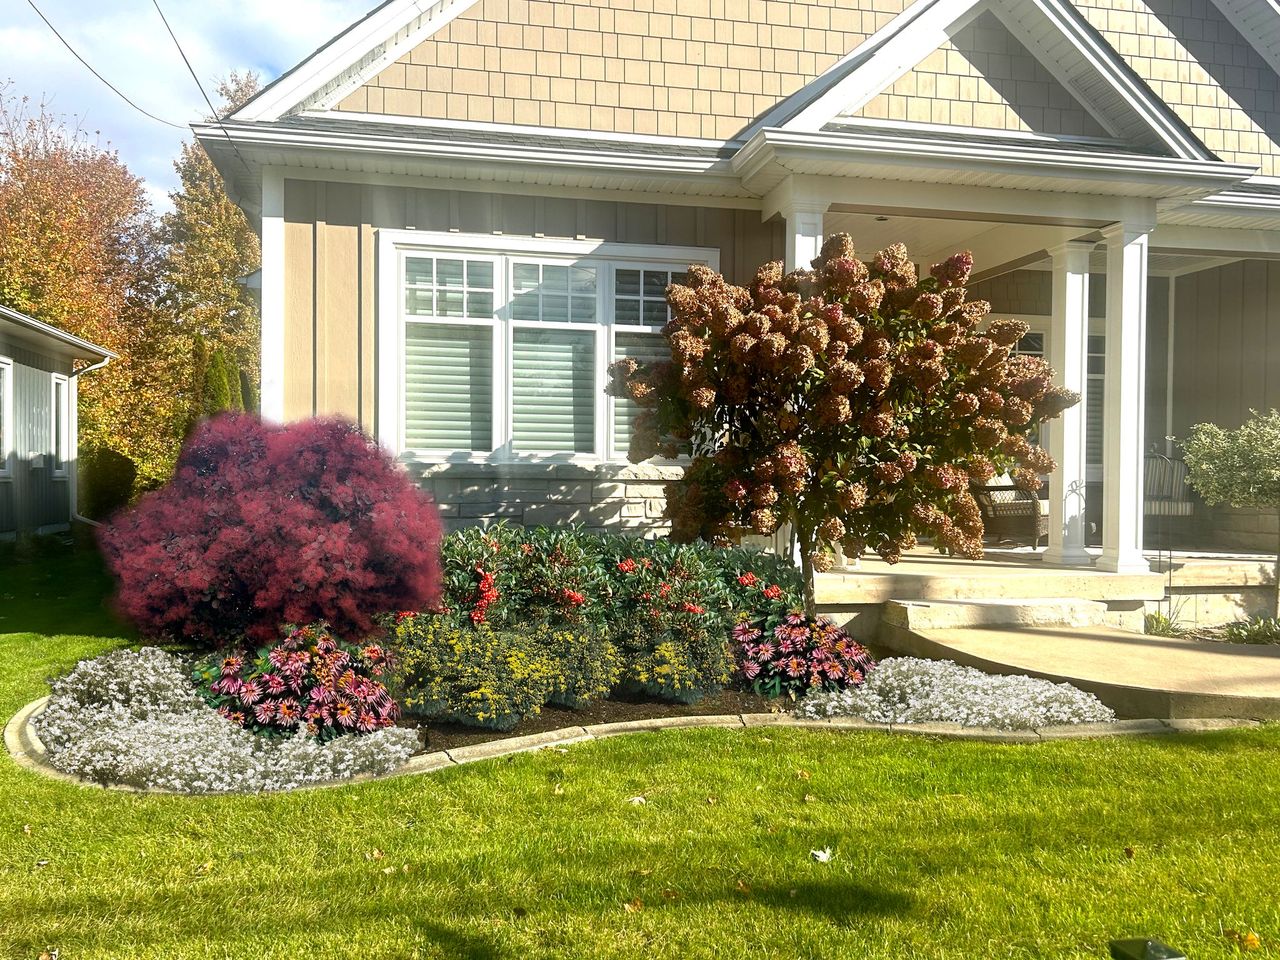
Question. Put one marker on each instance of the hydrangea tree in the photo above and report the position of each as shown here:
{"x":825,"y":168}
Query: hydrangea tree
{"x":1237,"y":467}
{"x":855,"y":401}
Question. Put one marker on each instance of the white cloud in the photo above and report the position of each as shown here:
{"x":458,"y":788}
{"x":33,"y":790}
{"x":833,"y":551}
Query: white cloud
{"x":127,"y":43}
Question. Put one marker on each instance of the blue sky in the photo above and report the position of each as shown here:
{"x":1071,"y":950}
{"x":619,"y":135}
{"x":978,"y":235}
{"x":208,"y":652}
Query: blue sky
{"x":126,"y":42}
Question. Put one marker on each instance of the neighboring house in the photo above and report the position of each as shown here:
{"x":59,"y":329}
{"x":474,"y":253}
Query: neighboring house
{"x":39,"y":369}
{"x":469,"y":207}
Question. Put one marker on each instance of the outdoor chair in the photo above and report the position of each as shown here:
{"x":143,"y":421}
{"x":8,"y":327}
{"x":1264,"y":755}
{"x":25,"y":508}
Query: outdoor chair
{"x":1011,"y":514}
{"x":1166,"y":496}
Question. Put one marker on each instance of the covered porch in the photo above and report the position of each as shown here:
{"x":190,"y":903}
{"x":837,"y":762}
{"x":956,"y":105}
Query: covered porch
{"x":1153,"y":308}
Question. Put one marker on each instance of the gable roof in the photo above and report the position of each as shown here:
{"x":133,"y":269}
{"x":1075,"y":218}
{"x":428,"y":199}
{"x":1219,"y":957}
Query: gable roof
{"x":1259,"y":22}
{"x":1052,"y":30}
{"x":354,"y":54}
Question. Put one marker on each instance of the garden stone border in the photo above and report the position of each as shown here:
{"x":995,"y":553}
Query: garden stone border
{"x":27,"y":751}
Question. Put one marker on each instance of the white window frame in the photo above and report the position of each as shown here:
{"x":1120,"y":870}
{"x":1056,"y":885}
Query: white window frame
{"x":60,"y":441}
{"x":8,"y":444}
{"x":396,"y":246}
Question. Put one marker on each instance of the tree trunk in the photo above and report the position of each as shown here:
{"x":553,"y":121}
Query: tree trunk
{"x":805,"y":539}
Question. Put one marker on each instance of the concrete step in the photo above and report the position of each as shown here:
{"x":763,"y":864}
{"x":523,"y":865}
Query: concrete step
{"x":1025,"y":612}
{"x":1134,"y":674}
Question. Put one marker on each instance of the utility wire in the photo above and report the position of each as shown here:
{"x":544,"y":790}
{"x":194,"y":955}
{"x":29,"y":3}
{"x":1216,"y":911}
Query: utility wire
{"x":213,"y":112}
{"x":114,"y":89}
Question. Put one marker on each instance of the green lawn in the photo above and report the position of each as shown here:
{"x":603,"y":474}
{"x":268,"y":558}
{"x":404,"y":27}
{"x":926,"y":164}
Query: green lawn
{"x":961,"y":850}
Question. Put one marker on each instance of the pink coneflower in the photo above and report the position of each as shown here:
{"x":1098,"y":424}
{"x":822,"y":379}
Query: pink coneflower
{"x":275,"y":683}
{"x":366,"y":722}
{"x":288,"y":712}
{"x":232,"y":664}
{"x":795,"y":667}
{"x":750,"y":669}
{"x":251,"y":693}
{"x":345,"y":714}
{"x":265,"y":712}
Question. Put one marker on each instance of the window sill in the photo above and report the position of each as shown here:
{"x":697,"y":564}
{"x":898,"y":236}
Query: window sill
{"x":546,"y":469}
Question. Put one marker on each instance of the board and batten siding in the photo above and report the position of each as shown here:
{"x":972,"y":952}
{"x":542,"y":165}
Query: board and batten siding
{"x":33,"y":498}
{"x":1226,"y":362}
{"x":330,"y":336}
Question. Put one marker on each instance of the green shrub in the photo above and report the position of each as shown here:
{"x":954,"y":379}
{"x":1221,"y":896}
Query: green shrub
{"x":108,"y":477}
{"x":667,"y":607}
{"x":475,"y":676}
{"x":1256,"y":630}
{"x":1159,"y":625}
{"x":587,"y":666}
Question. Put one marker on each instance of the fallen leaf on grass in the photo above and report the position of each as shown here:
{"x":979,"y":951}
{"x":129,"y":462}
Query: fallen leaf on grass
{"x":204,"y":868}
{"x":637,"y":801}
{"x":48,"y":955}
{"x":822,"y":856}
{"x":374,"y":854}
{"x":809,"y":798}
{"x":803,"y":775}
{"x":1129,"y":853}
{"x":633,"y":906}
{"x":669,"y":894}
{"x":558,"y":790}
{"x":41,"y":864}
{"x":742,"y":887}
{"x":1247,"y":942}
{"x":26,"y":829}
{"x":711,"y":801}
{"x":388,"y":870}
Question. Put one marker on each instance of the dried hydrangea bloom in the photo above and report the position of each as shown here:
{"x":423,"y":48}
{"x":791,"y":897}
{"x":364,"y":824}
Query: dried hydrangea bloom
{"x":814,"y":335}
{"x":764,"y":521}
{"x":1025,"y":479}
{"x":954,"y":271}
{"x":952,"y":300}
{"x":703,"y":398}
{"x":822,"y":561}
{"x":790,"y":459}
{"x":965,"y":404}
{"x":844,"y":376}
{"x":980,"y":469}
{"x":1039,"y":460}
{"x":975,"y":310}
{"x":765,"y":495}
{"x":1017,"y":412}
{"x":896,"y":265}
{"x":989,"y":433}
{"x":946,"y":333}
{"x":888,"y":473}
{"x":927,"y":307}
{"x":878,"y":374}
{"x":772,"y":347}
{"x":990,"y":401}
{"x":852,"y":497}
{"x":1005,"y":332}
{"x":799,"y":359}
{"x":876,"y":424}
{"x":866,"y":297}
{"x":837,"y":350}
{"x":831,"y":530}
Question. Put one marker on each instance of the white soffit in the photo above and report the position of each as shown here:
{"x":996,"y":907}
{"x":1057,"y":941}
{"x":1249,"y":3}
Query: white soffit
{"x":353,"y":57}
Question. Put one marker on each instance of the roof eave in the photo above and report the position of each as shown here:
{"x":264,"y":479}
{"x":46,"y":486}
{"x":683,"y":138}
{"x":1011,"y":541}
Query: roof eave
{"x":67,"y":344}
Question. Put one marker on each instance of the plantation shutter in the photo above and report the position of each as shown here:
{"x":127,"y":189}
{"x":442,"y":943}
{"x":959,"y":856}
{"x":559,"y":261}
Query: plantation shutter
{"x":553,"y":391}
{"x":1094,"y":401}
{"x":646,"y":348}
{"x":448,"y":387}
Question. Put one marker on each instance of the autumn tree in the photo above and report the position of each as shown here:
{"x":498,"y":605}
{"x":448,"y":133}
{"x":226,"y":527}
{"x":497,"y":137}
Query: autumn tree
{"x":78,"y":250}
{"x":854,"y":401}
{"x":210,"y":249}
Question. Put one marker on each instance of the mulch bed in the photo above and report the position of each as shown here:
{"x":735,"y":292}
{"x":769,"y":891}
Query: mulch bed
{"x":446,"y":736}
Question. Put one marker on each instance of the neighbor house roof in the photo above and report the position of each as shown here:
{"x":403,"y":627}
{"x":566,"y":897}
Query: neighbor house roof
{"x":45,"y":336}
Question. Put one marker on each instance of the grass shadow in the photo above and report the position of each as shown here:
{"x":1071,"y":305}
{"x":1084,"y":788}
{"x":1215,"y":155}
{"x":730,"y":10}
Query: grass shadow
{"x":55,"y":586}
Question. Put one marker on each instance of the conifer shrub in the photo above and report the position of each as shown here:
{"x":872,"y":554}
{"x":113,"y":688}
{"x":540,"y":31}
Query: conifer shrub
{"x":264,"y":525}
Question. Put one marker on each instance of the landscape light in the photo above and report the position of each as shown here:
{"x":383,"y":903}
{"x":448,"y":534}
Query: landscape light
{"x":1144,"y":949}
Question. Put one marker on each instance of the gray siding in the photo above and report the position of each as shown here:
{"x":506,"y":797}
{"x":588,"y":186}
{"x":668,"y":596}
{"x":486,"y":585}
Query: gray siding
{"x":33,"y":498}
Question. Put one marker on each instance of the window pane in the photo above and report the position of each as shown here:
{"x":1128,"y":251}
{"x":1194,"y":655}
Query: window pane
{"x":584,"y":281}
{"x":480,"y":306}
{"x":584,"y":309}
{"x":655,"y":313}
{"x":555,"y":279}
{"x":524,"y":306}
{"x":449,"y":303}
{"x":449,"y":273}
{"x":655,"y":283}
{"x":1093,"y":423}
{"x":626,"y":311}
{"x":480,"y":274}
{"x":1032,"y":343}
{"x":627,"y":283}
{"x":553,"y":391}
{"x":448,"y":387}
{"x":525,"y":276}
{"x":418,"y":270}
{"x":555,"y":308}
{"x":419,"y":302}
{"x":647,"y":348}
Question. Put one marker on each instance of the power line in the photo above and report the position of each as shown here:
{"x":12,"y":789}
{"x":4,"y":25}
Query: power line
{"x":213,"y":112}
{"x":114,"y":89}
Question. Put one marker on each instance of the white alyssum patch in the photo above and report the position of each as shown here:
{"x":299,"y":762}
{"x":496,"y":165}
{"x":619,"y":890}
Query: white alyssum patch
{"x":908,"y":690}
{"x":134,"y":719}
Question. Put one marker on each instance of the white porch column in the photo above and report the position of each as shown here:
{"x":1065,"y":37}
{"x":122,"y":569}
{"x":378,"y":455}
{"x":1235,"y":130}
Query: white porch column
{"x":1068,"y":353}
{"x":804,"y":233}
{"x":1125,"y":396}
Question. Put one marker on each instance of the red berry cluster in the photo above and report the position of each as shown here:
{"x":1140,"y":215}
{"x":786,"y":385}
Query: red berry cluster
{"x":486,"y":594}
{"x":573,"y":597}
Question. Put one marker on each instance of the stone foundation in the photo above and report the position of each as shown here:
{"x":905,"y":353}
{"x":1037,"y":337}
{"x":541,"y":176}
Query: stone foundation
{"x":601,"y":498}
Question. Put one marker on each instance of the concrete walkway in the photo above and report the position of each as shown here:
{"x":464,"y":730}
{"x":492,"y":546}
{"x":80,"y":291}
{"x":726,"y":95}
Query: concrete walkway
{"x":1134,"y":674}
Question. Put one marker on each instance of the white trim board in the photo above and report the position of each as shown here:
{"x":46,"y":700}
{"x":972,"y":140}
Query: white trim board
{"x":353,"y":57}
{"x":8,"y":442}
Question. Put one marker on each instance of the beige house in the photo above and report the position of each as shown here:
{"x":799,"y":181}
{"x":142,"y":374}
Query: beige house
{"x":469,"y":207}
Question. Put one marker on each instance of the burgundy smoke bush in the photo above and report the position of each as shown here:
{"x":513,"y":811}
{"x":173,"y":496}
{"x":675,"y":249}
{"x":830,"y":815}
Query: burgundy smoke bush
{"x":264,"y":525}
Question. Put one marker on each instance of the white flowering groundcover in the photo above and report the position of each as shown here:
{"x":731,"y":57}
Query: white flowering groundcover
{"x":908,"y":690}
{"x":134,"y":718}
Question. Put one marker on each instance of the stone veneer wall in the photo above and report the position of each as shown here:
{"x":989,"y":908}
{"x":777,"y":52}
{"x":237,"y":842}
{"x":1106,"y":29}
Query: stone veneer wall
{"x":626,"y":498}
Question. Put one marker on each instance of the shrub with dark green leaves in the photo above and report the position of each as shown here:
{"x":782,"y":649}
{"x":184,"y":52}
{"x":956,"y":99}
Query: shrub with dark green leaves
{"x":1257,"y":630}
